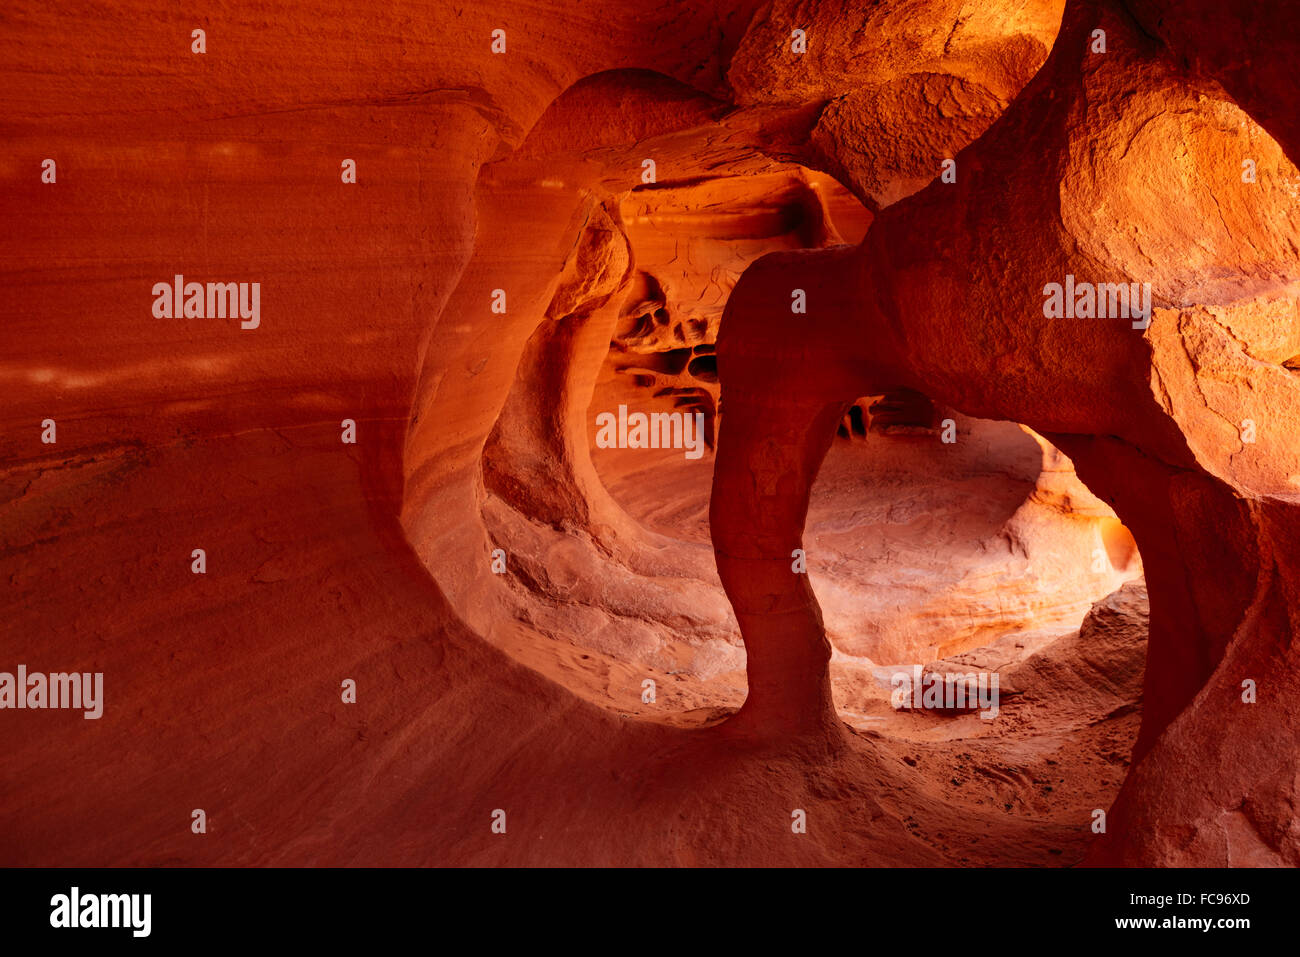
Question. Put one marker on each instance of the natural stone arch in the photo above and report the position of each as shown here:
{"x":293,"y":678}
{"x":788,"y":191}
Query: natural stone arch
{"x":955,"y":313}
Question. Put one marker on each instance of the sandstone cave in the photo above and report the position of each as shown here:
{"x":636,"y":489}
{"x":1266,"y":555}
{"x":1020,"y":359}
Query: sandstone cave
{"x":820,"y":265}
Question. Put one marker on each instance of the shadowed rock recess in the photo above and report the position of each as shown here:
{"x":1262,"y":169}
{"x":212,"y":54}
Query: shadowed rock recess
{"x":639,"y":411}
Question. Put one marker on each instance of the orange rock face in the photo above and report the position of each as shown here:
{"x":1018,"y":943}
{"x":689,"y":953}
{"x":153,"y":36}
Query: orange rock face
{"x":642,"y":404}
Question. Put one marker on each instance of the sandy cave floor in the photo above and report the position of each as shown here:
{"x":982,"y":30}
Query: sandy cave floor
{"x":1070,"y":704}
